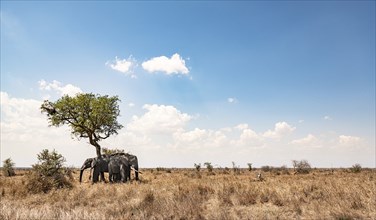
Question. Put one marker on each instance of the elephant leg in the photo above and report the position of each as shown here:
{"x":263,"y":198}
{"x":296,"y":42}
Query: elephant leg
{"x":102,"y":177}
{"x":95,"y":175}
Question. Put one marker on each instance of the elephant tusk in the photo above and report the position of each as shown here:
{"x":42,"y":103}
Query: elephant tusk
{"x":136,"y":170}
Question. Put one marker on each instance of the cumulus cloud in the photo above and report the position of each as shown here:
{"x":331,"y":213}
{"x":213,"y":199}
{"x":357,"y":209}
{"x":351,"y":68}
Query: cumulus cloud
{"x":280,"y":129}
{"x":349,"y":140}
{"x":169,"y":66}
{"x":310,"y":140}
{"x":125,"y":66}
{"x":56,"y":86}
{"x":159,"y":119}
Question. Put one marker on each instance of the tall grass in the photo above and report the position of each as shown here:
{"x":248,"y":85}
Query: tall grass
{"x":187,"y":194}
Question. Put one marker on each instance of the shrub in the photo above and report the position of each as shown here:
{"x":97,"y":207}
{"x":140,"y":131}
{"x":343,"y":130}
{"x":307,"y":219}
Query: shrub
{"x":198,"y":167}
{"x":301,"y":167}
{"x":8,"y":167}
{"x":356,"y":168}
{"x":108,"y":151}
{"x":266,"y":168}
{"x":209,"y":166}
{"x":49,"y":173}
{"x":235,"y":168}
{"x":249,"y":166}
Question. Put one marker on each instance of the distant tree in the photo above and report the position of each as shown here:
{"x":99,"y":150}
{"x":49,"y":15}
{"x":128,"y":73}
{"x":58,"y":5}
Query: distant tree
{"x":107,"y":151}
{"x":301,"y":166}
{"x":249,"y":166}
{"x":198,"y":167}
{"x":356,"y":168}
{"x":88,"y":115}
{"x":209,"y":166}
{"x":235,"y":168}
{"x":8,"y":167}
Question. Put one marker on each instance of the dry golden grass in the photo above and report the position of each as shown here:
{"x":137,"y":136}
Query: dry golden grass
{"x":186,"y":194}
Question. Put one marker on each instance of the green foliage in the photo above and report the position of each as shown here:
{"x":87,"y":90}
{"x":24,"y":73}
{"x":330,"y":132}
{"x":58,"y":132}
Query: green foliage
{"x":49,"y":173}
{"x":356,"y":168}
{"x":107,"y":151}
{"x":209,"y":166}
{"x":198,"y":167}
{"x":88,"y":115}
{"x":8,"y":167}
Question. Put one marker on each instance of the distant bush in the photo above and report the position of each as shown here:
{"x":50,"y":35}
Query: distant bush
{"x":209,"y":166}
{"x":266,"y":168}
{"x":356,"y":168}
{"x":302,"y":167}
{"x":49,"y":173}
{"x":107,"y":151}
{"x":198,"y":167}
{"x":8,"y":167}
{"x":235,"y":168}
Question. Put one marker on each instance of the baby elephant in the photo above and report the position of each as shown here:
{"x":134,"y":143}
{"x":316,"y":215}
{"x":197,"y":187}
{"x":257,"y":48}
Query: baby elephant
{"x":119,"y":169}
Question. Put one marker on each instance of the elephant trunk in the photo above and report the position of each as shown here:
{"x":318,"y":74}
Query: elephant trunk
{"x":81,"y":172}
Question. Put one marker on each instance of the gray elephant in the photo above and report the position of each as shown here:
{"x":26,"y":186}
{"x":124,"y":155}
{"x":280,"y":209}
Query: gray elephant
{"x":133,"y":162}
{"x":98,"y":165}
{"x":119,"y":169}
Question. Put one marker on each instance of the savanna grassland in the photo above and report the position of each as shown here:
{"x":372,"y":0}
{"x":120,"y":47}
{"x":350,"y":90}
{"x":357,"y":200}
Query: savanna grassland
{"x":188,"y":194}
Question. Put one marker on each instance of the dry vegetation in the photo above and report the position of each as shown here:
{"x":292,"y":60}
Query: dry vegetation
{"x":188,"y":194}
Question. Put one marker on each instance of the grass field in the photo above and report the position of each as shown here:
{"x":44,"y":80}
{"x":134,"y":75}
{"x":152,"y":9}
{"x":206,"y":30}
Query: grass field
{"x":188,"y":194}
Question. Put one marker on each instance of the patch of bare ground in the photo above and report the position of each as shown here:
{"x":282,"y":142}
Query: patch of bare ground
{"x":188,"y":194}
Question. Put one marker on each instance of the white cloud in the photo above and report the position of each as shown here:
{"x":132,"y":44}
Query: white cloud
{"x":131,"y":104}
{"x":25,"y":132}
{"x":241,"y":126}
{"x":328,"y":118}
{"x":123,"y":65}
{"x":232,"y":100}
{"x":310,"y":140}
{"x":56,"y":86}
{"x":280,"y":129}
{"x":159,"y":119}
{"x":173,"y":65}
{"x":349,"y":140}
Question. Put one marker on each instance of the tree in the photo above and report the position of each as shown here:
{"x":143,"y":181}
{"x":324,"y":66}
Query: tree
{"x":49,"y":173}
{"x":88,"y":115}
{"x":209,"y":166}
{"x":8,"y":169}
{"x":108,"y":151}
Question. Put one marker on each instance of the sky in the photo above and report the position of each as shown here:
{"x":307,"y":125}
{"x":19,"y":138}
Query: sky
{"x":215,"y":81}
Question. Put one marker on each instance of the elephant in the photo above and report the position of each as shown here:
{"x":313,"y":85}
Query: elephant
{"x":100,"y":165}
{"x":119,"y":169}
{"x":133,"y":162}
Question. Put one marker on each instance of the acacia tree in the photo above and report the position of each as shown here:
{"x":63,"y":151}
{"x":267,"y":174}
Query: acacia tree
{"x":88,"y":115}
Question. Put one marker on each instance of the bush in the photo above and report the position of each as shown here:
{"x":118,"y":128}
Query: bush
{"x":49,"y":173}
{"x":209,"y":166}
{"x":198,"y":167}
{"x":8,"y":167}
{"x":356,"y":168}
{"x":301,"y":167}
{"x":108,"y":151}
{"x":266,"y":168}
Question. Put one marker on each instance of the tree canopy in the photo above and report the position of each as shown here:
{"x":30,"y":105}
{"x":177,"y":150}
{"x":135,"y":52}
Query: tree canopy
{"x":88,"y":115}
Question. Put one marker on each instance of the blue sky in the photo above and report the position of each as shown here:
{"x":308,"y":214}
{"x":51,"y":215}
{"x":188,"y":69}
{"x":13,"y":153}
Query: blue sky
{"x":262,"y":82}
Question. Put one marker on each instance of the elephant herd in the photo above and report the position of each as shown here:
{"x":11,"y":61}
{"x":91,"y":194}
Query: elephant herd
{"x":118,"y":166}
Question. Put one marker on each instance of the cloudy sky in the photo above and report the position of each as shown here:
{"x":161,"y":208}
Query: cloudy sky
{"x":249,"y":82}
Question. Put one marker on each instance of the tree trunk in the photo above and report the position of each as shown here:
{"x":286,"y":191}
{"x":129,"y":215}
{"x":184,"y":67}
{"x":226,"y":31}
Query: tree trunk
{"x":97,"y":146}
